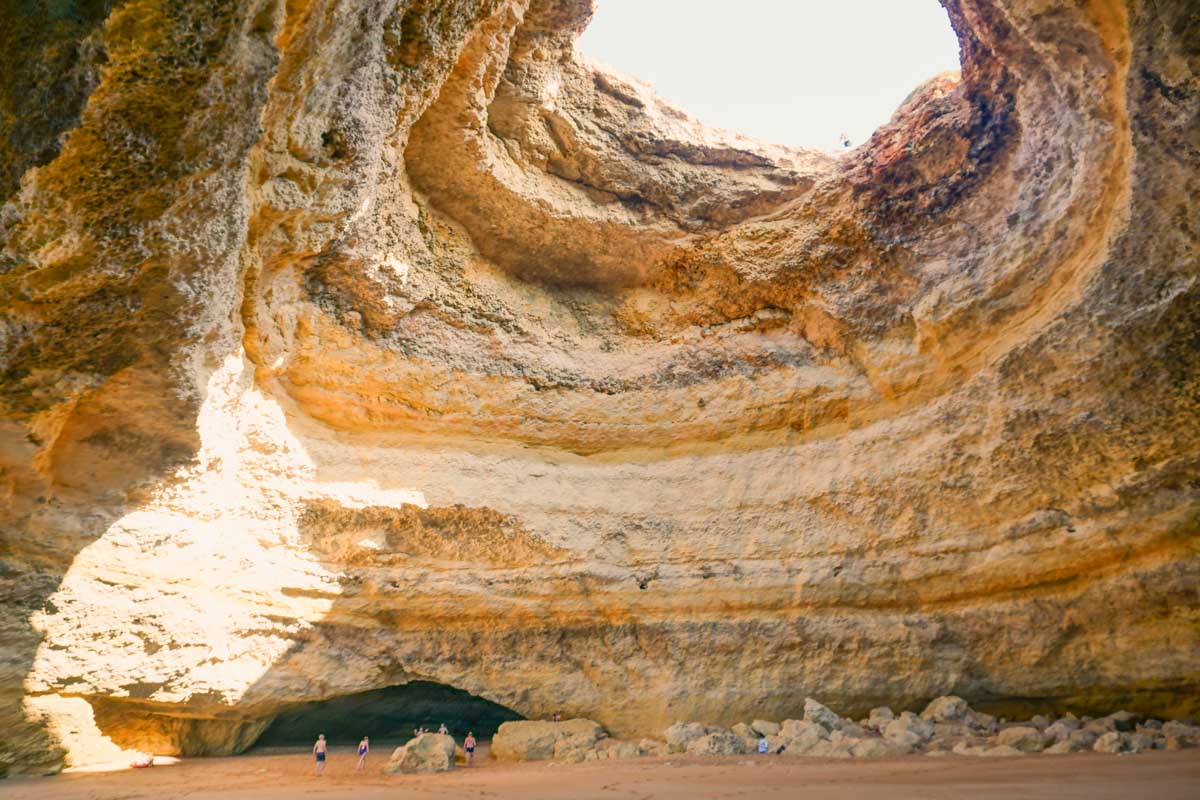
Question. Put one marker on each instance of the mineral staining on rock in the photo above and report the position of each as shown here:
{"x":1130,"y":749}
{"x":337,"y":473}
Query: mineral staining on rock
{"x":351,"y":343}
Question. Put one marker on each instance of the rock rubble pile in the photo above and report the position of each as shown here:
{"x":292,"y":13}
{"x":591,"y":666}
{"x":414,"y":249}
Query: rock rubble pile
{"x":947,"y":726}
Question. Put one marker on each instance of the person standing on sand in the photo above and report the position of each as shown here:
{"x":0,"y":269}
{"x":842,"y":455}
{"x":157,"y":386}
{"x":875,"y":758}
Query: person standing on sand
{"x":319,"y":751}
{"x":364,"y":747}
{"x":469,"y":747}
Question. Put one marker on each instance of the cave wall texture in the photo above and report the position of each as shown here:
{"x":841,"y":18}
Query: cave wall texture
{"x":352,"y":342}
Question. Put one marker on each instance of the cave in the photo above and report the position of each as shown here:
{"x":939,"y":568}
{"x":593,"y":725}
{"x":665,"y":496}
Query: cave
{"x":387,"y":715}
{"x":351,"y":339}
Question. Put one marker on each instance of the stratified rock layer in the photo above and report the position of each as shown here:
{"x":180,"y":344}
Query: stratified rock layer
{"x":352,"y":342}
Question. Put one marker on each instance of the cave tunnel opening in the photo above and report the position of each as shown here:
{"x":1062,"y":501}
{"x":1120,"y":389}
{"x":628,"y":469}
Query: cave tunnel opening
{"x":387,"y":715}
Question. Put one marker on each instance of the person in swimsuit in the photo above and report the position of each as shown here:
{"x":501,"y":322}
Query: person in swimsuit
{"x":319,"y":751}
{"x":469,"y":746}
{"x":364,"y":747}
{"x":442,"y":729}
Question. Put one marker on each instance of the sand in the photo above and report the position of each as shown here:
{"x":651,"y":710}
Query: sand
{"x":267,"y":775}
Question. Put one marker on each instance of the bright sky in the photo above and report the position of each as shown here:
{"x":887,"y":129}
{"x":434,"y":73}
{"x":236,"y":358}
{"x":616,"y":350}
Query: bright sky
{"x":795,"y":72}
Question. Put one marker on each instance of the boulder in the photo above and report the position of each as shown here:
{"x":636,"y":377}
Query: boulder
{"x":879,"y":718}
{"x":1063,"y":746}
{"x":749,"y":741}
{"x":851,"y":728}
{"x":569,"y":749}
{"x":576,"y":755}
{"x":819,"y":714}
{"x":652,"y":747}
{"x":878,"y":748}
{"x":617,"y":748}
{"x":744,"y":731}
{"x":952,"y":730}
{"x":1002,"y":751}
{"x":980,"y":722}
{"x":1172,"y":742}
{"x":946,"y":709}
{"x":802,"y":735}
{"x":776,"y":744}
{"x":722,"y":743}
{"x":1138,"y":742}
{"x":538,"y":740}
{"x":1060,"y":730}
{"x":1083,"y":739}
{"x":681,"y":734}
{"x":429,"y":752}
{"x":1111,"y":742}
{"x":839,"y":745}
{"x":765,"y":728}
{"x":1183,"y":734}
{"x":905,"y":739}
{"x":1122,"y":721}
{"x":806,"y":738}
{"x":1025,"y":738}
{"x":1039,"y":721}
{"x":909,"y":721}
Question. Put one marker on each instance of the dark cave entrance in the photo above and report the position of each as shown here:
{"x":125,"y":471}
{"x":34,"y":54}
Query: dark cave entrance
{"x":387,"y":715}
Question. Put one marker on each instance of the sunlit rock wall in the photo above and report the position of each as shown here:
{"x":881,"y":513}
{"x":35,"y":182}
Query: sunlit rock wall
{"x":347,"y":343}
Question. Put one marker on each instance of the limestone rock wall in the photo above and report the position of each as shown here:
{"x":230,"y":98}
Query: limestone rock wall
{"x":352,"y":342}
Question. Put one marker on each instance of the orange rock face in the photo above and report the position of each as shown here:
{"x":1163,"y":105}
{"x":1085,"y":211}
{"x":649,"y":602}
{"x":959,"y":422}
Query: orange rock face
{"x":348,"y":343}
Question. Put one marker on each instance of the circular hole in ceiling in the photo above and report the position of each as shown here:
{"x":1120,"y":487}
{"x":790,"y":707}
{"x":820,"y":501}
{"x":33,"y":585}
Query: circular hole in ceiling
{"x":803,"y":73}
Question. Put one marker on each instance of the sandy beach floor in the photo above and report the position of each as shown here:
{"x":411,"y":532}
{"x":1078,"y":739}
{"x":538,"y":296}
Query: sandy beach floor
{"x":288,"y":774}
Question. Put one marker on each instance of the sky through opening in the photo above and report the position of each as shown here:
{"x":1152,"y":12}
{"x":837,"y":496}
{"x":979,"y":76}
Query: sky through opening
{"x":794,"y":72}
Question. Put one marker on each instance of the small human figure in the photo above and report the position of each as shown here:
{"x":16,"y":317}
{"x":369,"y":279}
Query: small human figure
{"x":469,"y":747}
{"x":764,"y":746}
{"x":319,"y":751}
{"x":844,"y":140}
{"x":364,"y":747}
{"x":557,"y":717}
{"x":442,"y":729}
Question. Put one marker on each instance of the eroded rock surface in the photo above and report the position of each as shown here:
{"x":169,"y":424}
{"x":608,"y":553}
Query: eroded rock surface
{"x":352,"y":342}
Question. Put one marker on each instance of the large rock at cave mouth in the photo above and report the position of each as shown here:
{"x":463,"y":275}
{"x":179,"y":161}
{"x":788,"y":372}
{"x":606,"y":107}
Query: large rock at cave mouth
{"x":347,"y":344}
{"x":429,"y":752}
{"x":538,"y":740}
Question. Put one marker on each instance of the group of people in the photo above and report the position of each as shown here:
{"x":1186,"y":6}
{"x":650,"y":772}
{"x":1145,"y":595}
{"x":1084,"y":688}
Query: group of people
{"x":321,"y":748}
